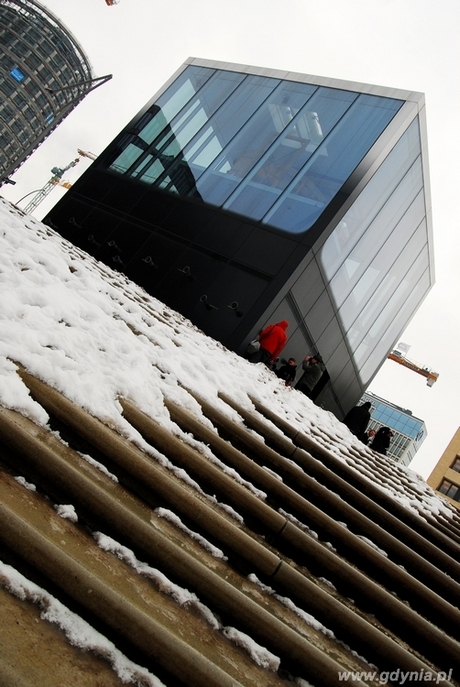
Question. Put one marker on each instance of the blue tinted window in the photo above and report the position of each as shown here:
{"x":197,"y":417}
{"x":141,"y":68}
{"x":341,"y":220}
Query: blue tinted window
{"x":396,"y":419}
{"x":291,"y":116}
{"x":248,"y":144}
{"x":155,"y":123}
{"x":272,"y":150}
{"x":17,"y":74}
{"x":385,"y":271}
{"x":332,"y":163}
{"x":385,"y":238}
{"x":199,"y":111}
{"x":227,"y":120}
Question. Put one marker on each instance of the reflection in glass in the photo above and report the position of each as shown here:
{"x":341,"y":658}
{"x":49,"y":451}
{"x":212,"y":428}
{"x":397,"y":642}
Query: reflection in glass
{"x":369,"y":257}
{"x":377,"y":204}
{"x":332,"y":163}
{"x":271,"y":150}
{"x":392,"y":318}
{"x":361,"y":272}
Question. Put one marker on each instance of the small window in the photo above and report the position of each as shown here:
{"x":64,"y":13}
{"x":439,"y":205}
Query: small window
{"x":449,"y":489}
{"x":456,"y":464}
{"x":17,"y":74}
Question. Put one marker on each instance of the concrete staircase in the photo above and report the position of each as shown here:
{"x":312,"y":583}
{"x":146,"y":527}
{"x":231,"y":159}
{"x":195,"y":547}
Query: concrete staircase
{"x":326,"y":573}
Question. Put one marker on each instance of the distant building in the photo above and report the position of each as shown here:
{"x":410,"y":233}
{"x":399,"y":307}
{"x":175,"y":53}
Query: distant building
{"x":241,"y":196}
{"x":409,"y":431}
{"x":44,"y":74}
{"x":445,"y":477}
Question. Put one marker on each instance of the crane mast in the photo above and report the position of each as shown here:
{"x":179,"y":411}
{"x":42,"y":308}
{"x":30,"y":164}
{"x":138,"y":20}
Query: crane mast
{"x":56,"y":180}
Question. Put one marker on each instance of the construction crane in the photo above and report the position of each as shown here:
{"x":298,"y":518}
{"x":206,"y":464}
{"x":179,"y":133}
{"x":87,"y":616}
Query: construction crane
{"x":84,"y":153}
{"x":399,"y":358}
{"x":56,"y":180}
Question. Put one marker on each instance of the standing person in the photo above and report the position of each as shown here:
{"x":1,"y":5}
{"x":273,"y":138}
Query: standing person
{"x":287,"y":371}
{"x":357,"y":419}
{"x":368,"y":436}
{"x":272,"y":340}
{"x":381,"y":441}
{"x":313,"y":368}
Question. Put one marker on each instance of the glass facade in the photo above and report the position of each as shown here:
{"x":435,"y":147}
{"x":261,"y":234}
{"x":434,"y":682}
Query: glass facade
{"x":376,"y":260}
{"x":409,"y":431}
{"x":241,"y":196}
{"x":44,"y":74}
{"x":271,"y":150}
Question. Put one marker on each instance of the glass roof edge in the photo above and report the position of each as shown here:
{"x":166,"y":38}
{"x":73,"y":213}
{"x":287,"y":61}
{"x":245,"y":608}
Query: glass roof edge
{"x":393,"y":406}
{"x":356,"y":86}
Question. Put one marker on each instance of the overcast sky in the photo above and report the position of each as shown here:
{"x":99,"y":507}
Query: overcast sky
{"x":407,"y":44}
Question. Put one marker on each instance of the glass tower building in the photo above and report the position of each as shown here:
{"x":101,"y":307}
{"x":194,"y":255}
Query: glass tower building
{"x":409,"y":432}
{"x":241,"y":196}
{"x":44,"y":75}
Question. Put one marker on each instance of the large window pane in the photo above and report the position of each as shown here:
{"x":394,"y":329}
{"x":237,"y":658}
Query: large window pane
{"x":372,"y":205}
{"x":249,"y":142}
{"x":381,"y":280}
{"x":304,"y":126}
{"x":182,"y":90}
{"x":131,"y":153}
{"x":191,"y":121}
{"x":203,"y":106}
{"x":377,"y":250}
{"x":332,"y":163}
{"x":393,"y":316}
{"x":156,"y":120}
{"x":228,"y":120}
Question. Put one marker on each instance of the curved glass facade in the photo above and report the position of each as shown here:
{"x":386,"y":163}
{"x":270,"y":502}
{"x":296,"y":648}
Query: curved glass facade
{"x":44,"y":75}
{"x":272,"y":150}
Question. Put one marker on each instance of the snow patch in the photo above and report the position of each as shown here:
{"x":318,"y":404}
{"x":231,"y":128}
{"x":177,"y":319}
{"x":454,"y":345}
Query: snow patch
{"x":78,"y":631}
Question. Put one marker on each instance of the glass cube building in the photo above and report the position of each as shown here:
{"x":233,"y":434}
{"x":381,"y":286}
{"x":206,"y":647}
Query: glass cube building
{"x":44,"y":75}
{"x":240,"y":196}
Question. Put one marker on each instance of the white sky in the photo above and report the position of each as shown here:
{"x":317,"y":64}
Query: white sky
{"x":408,"y":44}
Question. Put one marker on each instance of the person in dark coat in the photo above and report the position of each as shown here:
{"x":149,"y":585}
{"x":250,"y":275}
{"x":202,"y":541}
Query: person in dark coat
{"x":367,"y":437}
{"x":287,"y":371}
{"x":272,"y":340}
{"x":313,"y":368}
{"x":381,"y":441}
{"x":357,"y":419}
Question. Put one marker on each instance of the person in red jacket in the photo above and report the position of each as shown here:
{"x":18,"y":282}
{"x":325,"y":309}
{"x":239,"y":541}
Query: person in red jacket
{"x":272,"y":340}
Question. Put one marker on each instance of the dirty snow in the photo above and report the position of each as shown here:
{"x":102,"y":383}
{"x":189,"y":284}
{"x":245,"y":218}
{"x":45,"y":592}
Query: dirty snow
{"x":78,"y":631}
